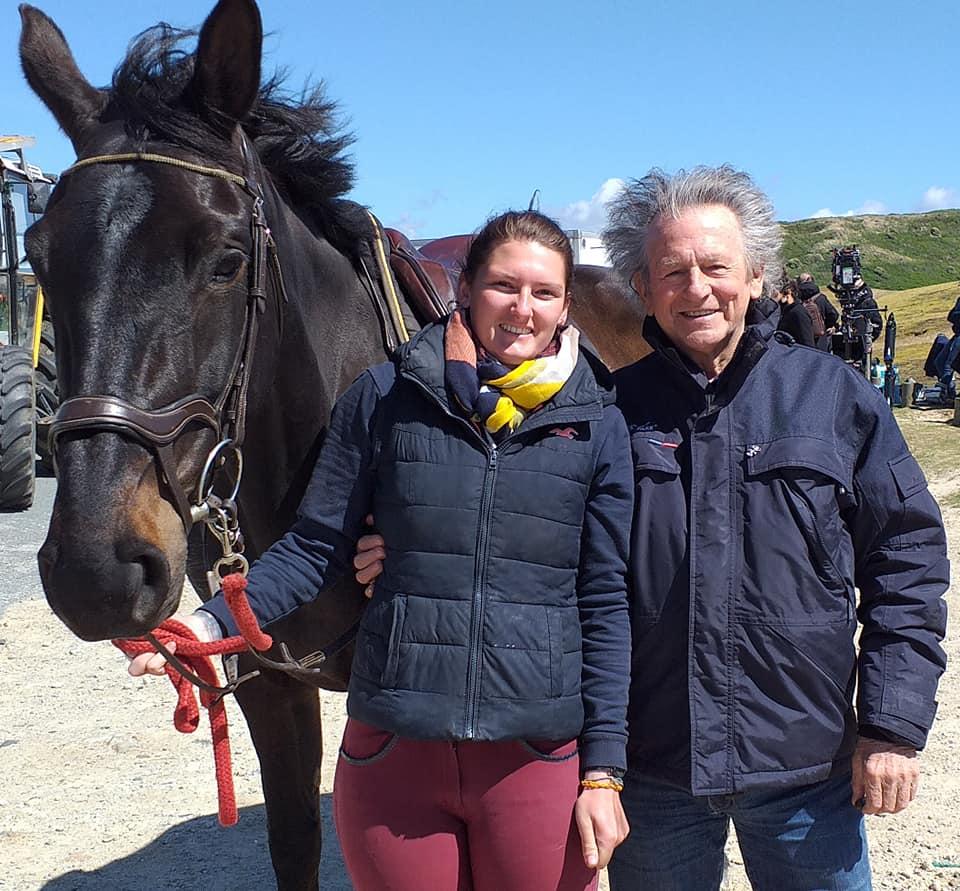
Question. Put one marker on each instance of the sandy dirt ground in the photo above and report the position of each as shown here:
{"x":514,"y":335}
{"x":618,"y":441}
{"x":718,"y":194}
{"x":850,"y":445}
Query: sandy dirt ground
{"x":100,"y":792}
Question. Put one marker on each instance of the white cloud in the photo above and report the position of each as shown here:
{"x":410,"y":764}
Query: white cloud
{"x":589,"y":214}
{"x":938,"y":198}
{"x":409,"y":224}
{"x":869,"y":206}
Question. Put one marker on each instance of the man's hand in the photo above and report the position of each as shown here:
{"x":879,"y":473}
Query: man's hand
{"x":204,"y":627}
{"x":368,"y":561}
{"x":602,"y":824}
{"x":885,"y":776}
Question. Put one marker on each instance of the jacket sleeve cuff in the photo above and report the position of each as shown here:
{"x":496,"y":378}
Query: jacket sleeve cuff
{"x":217,"y":607}
{"x":602,"y":751}
{"x":895,"y":730}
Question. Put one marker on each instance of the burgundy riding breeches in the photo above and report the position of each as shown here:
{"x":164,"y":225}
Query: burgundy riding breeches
{"x":458,"y":816}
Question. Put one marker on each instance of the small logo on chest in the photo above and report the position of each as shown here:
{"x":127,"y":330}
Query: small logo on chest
{"x":565,"y":432}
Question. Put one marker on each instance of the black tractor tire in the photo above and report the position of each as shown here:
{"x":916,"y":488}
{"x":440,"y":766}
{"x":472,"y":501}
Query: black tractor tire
{"x":47,"y":394}
{"x":17,"y":433}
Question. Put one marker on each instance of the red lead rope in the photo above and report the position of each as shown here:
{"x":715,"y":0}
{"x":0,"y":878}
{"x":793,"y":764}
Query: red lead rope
{"x":196,"y":656}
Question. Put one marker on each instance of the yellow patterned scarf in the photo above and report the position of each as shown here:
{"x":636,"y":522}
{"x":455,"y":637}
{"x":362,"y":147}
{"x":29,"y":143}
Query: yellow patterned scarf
{"x":495,"y":394}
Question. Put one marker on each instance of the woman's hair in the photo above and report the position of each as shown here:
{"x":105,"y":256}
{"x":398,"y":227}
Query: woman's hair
{"x":633,"y":212}
{"x":517,"y":225}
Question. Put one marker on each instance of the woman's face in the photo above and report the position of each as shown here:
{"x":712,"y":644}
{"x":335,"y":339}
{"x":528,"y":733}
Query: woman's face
{"x":517,"y":300}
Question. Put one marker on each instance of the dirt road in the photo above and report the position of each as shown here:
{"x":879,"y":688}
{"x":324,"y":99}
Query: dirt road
{"x":100,"y":792}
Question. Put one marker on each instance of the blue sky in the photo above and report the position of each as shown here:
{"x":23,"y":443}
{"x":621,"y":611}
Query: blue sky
{"x":463,"y":109}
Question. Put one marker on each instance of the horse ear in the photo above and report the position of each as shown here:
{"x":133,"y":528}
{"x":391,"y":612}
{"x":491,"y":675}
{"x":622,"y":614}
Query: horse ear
{"x":53,"y":75}
{"x":226,"y":76}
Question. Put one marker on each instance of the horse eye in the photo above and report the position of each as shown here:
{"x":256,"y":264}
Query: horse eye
{"x":228,"y":267}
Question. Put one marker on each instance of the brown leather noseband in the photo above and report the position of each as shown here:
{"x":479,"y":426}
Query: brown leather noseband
{"x":158,"y":429}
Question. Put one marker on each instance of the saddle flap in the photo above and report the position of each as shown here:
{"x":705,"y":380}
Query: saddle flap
{"x":426,"y":283}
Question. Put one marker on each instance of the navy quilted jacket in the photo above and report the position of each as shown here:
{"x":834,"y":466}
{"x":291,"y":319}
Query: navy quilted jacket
{"x":501,"y":612}
{"x":764,"y":500}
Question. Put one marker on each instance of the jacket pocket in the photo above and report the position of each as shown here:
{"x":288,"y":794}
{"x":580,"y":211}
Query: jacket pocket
{"x":658,"y":539}
{"x":555,"y":650}
{"x":798,"y":559}
{"x":793,"y":697}
{"x":377,"y":654}
{"x":394,"y":641}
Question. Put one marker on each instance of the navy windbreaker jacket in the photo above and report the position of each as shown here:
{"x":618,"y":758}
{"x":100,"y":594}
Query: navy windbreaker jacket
{"x":501,"y":612}
{"x":764,"y":499}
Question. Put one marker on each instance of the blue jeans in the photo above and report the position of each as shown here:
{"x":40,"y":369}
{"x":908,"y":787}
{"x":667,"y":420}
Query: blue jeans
{"x":801,"y":838}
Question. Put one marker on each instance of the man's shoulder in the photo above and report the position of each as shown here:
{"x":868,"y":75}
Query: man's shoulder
{"x":651,"y":364}
{"x":793,"y":367}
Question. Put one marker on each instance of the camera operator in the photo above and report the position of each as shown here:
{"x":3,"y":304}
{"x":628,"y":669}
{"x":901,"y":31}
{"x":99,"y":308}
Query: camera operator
{"x":863,"y":301}
{"x":860,"y":321}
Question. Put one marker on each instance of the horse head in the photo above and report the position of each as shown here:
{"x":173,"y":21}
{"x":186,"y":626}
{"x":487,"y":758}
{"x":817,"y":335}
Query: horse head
{"x":156,"y":255}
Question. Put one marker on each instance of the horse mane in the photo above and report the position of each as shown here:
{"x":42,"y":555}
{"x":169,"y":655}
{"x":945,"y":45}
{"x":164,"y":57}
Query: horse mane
{"x":299,"y":139}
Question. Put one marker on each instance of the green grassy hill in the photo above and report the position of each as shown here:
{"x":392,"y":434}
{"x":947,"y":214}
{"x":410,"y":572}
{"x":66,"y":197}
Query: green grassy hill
{"x":898,"y":251}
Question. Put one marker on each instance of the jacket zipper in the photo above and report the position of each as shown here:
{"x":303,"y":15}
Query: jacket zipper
{"x":472,"y":704}
{"x":472,"y":698}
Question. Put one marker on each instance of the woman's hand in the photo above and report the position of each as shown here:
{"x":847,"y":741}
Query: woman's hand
{"x":368,"y":561}
{"x":601,"y":822}
{"x":204,"y":627}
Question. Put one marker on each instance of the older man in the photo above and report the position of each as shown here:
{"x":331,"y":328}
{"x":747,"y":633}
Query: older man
{"x":772,"y":483}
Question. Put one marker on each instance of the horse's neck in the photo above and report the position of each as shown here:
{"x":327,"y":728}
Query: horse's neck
{"x":330,"y":335}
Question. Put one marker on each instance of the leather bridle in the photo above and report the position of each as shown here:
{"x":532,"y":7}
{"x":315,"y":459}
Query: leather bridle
{"x":158,"y":429}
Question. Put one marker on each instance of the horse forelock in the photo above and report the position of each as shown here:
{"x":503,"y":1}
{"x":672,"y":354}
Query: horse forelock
{"x":298,"y":138}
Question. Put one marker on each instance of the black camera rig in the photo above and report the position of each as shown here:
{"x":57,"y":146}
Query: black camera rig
{"x":854,"y":340}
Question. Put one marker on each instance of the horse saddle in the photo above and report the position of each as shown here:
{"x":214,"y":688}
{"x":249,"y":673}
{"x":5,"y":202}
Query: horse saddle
{"x":427,"y":276}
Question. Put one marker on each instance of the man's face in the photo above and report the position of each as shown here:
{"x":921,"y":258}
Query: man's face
{"x":699,"y":284}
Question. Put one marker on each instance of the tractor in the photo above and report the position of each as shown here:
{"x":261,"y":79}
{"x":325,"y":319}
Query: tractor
{"x":28,"y":374}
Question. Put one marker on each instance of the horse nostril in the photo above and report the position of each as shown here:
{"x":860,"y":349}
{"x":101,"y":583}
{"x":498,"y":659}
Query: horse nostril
{"x":147,"y":561}
{"x":156,"y":575}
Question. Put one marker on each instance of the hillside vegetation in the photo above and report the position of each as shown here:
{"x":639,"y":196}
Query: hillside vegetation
{"x":898,"y":251}
{"x":921,"y":314}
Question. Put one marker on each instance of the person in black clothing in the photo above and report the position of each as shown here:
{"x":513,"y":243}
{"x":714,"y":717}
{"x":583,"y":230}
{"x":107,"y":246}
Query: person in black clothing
{"x":948,"y":358}
{"x":794,"y":319}
{"x":864,"y":302}
{"x":807,"y":289}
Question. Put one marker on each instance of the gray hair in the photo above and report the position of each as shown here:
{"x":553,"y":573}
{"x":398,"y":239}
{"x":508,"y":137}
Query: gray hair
{"x":633,"y":212}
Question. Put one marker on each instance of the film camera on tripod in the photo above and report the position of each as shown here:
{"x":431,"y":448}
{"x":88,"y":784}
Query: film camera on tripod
{"x":861,"y":321}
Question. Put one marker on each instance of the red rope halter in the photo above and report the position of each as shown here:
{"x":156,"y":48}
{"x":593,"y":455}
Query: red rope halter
{"x":196,"y":656}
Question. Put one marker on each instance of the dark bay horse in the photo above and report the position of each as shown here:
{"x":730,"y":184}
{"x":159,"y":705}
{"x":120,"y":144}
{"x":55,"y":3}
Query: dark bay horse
{"x":204,"y":199}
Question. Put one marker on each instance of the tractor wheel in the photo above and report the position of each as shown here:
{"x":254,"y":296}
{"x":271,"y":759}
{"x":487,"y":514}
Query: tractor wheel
{"x":48,"y":394}
{"x":17,"y":437}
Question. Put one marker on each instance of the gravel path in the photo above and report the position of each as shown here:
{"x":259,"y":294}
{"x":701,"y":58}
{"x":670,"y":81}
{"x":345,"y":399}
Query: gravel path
{"x":100,"y":792}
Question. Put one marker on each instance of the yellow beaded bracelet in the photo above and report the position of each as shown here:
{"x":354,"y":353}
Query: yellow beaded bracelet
{"x":607,"y":783}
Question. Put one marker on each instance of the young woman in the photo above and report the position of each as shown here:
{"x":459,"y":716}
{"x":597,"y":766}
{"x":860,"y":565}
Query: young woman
{"x":488,"y":692}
